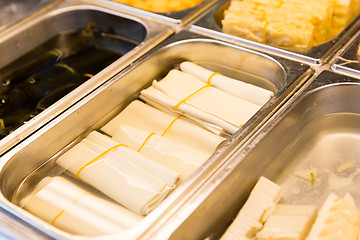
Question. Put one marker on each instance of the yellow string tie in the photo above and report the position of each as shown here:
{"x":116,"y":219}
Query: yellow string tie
{"x":170,"y":125}
{"x":211,"y":76}
{"x":147,"y":139}
{"x":185,"y":99}
{"x":207,"y":85}
{"x":98,"y":157}
{"x":62,"y":211}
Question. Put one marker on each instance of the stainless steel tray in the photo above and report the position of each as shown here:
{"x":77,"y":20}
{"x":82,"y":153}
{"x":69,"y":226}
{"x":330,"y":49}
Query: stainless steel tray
{"x":93,"y":111}
{"x":68,"y":15}
{"x":319,"y":127}
{"x":210,"y":24}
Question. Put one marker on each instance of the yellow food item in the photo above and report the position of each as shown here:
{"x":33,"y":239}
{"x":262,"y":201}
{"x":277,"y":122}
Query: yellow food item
{"x":344,"y":12}
{"x":161,"y":5}
{"x":291,"y":24}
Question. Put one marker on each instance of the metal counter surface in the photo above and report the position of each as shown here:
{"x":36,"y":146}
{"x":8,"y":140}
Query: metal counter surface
{"x":197,"y":209}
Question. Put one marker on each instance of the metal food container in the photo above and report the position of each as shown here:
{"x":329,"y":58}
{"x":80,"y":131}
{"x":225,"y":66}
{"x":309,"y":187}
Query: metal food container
{"x":29,"y":161}
{"x":140,"y":34}
{"x":210,"y":24}
{"x":318,"y":128}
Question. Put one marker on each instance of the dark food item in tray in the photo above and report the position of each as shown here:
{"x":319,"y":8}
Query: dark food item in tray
{"x":290,"y":24}
{"x":38,"y":79}
{"x":161,"y":5}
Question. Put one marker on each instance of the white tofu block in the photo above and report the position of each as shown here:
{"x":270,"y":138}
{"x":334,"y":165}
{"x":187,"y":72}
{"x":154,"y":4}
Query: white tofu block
{"x":291,"y":222}
{"x":256,"y":210}
{"x":283,"y":226}
{"x":338,"y":218}
{"x":291,"y":209}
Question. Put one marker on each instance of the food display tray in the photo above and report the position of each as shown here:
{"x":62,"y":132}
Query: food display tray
{"x":65,"y":16}
{"x":318,"y":128}
{"x":210,"y":24}
{"x":94,"y":110}
{"x":311,"y":91}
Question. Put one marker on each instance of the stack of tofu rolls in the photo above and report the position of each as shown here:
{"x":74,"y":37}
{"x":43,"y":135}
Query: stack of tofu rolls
{"x":143,"y":153}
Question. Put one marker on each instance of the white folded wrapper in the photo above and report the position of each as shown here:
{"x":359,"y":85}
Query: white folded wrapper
{"x":170,"y":176}
{"x":210,"y":104}
{"x":214,"y":129}
{"x":70,"y":208}
{"x":126,"y":176}
{"x":235,"y":87}
{"x":175,"y":156}
{"x":142,"y":116}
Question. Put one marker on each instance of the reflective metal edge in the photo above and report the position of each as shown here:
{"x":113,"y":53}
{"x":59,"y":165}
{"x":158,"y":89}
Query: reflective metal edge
{"x":156,"y":32}
{"x":347,"y":60}
{"x":178,"y":18}
{"x":206,"y":214}
{"x":296,"y":73}
{"x":317,"y":55}
{"x":40,"y":6}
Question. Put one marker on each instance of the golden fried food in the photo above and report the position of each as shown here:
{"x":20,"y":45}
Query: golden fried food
{"x":161,"y":5}
{"x":291,"y":24}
